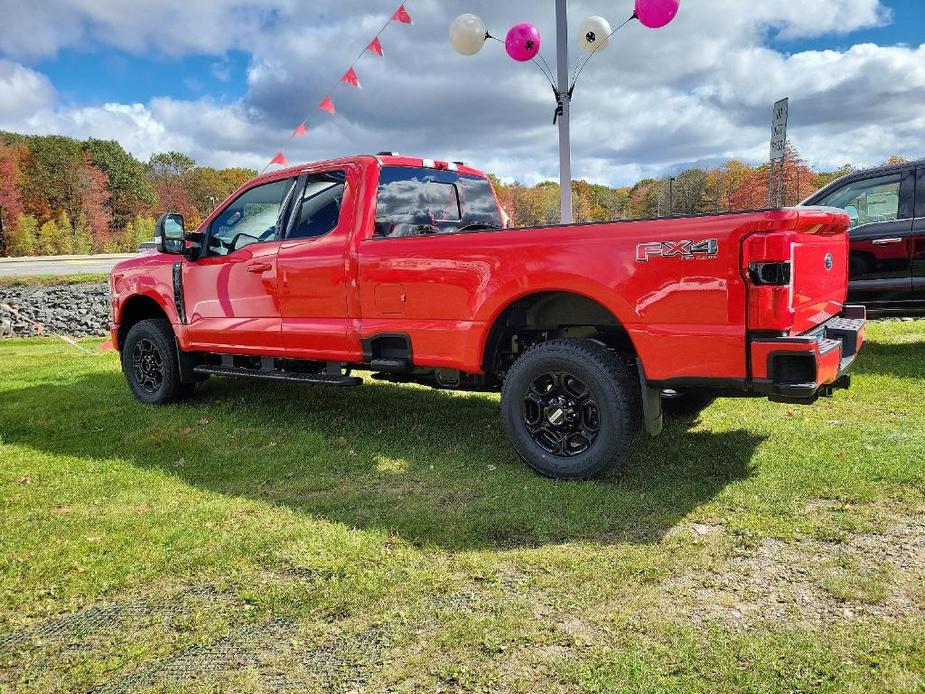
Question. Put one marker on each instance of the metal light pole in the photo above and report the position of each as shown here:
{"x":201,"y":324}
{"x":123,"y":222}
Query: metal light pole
{"x":565,"y":148}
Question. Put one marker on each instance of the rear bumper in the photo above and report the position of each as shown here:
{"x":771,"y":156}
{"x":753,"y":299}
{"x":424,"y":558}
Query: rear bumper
{"x":799,"y":369}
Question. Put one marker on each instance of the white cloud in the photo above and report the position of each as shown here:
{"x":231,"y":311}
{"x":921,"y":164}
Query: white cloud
{"x":699,"y":90}
{"x":22,"y":93}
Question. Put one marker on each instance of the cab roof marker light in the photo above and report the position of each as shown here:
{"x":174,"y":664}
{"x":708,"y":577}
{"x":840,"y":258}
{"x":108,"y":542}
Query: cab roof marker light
{"x":428,"y":163}
{"x":452,"y":166}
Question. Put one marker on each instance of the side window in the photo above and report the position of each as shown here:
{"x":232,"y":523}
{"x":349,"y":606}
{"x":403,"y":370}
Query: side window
{"x":252,"y":217}
{"x":319,"y":205}
{"x":872,"y":200}
{"x":415,"y":201}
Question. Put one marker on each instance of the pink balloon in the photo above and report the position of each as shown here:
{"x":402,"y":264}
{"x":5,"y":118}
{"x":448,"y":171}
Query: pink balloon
{"x":656,"y":13}
{"x":522,"y":42}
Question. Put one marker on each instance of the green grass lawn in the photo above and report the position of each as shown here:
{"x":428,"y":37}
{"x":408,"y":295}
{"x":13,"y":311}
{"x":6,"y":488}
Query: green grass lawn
{"x":260,"y":537}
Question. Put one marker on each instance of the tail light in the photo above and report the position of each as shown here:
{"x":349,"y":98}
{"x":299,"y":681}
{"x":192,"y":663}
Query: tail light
{"x":767,"y":264}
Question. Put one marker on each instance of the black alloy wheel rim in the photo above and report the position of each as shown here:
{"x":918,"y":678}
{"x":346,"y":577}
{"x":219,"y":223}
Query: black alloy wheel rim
{"x":147,"y":366}
{"x":560,"y":414}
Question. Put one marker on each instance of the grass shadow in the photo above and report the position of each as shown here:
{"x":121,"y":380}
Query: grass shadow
{"x":902,"y":359}
{"x":432,"y":467}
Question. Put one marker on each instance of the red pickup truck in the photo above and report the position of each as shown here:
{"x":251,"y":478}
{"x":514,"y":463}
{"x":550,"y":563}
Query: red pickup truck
{"x":404,"y":267}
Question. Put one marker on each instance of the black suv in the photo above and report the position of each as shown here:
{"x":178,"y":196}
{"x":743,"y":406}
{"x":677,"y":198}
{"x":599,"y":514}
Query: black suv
{"x":887,"y":210}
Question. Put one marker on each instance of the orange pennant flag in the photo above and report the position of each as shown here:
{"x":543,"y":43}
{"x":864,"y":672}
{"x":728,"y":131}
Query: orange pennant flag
{"x":375,"y":46}
{"x":299,"y":131}
{"x":350,"y":77}
{"x":401,"y":15}
{"x":279,"y":159}
{"x":327,"y":105}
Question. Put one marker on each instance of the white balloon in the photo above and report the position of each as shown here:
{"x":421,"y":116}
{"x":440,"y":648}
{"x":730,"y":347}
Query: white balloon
{"x":594,"y":34}
{"x":467,"y":34}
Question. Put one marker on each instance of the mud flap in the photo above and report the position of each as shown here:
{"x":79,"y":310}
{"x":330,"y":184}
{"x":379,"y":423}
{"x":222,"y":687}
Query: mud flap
{"x":651,"y":403}
{"x":187,"y":361}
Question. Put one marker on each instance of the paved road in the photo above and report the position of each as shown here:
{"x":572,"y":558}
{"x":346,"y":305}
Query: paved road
{"x":58,"y":265}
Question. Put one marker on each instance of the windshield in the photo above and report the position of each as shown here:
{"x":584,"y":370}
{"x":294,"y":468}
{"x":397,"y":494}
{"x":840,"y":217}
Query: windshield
{"x":413,"y":201}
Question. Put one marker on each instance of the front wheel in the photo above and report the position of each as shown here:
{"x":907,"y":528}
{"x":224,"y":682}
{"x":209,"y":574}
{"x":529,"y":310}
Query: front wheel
{"x":149,"y":362}
{"x":571,"y":408}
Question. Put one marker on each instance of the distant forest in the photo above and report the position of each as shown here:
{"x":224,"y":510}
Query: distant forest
{"x":59,"y":195}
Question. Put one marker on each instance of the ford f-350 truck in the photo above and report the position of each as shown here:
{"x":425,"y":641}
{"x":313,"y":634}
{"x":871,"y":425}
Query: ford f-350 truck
{"x":403,"y":267}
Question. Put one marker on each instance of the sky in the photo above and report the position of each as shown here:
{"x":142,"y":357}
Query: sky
{"x":226,"y":81}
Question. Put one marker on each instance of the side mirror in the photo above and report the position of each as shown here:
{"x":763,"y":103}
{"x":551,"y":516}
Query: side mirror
{"x":170,"y":235}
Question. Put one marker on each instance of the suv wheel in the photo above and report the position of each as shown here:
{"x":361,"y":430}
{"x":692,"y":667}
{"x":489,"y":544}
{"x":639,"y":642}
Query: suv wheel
{"x":571,"y":408}
{"x":149,"y":362}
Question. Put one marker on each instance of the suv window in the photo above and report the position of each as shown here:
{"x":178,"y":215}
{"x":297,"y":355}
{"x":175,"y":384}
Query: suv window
{"x":252,"y":217}
{"x":413,"y":201}
{"x":318,"y":209}
{"x":871,"y":200}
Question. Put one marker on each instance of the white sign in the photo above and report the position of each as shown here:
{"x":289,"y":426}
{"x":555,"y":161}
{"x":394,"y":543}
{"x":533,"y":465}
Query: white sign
{"x":779,"y":129}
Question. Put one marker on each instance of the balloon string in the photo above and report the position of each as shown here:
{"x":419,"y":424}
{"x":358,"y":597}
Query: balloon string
{"x":580,"y":66}
{"x":547,"y":73}
{"x":548,"y":69}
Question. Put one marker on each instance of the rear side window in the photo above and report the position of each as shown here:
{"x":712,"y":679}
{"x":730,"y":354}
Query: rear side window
{"x":871,"y":200}
{"x":416,"y":201}
{"x":318,"y":209}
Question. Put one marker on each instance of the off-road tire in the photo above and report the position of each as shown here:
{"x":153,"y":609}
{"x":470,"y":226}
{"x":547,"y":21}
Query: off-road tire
{"x":613,"y":382}
{"x":154,"y":340}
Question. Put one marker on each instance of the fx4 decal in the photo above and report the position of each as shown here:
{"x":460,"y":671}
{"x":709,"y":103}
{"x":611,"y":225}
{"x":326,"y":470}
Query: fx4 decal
{"x":687,"y":250}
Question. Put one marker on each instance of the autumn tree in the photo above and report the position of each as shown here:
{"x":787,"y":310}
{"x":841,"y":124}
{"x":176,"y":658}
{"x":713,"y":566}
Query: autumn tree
{"x":10,"y":197}
{"x":49,"y":238}
{"x":92,"y":198}
{"x":643,"y":199}
{"x":83,"y":235}
{"x":65,"y":244}
{"x":49,"y":175}
{"x":167,"y":172}
{"x":824,"y":178}
{"x":206,"y":188}
{"x":24,"y":237}
{"x":131,"y":192}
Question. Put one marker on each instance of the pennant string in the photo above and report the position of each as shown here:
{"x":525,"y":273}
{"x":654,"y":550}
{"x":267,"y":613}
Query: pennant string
{"x":401,"y":16}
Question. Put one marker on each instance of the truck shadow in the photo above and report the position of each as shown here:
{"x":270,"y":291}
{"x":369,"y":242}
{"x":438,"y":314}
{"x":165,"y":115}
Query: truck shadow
{"x":901,"y":359}
{"x":431,"y":467}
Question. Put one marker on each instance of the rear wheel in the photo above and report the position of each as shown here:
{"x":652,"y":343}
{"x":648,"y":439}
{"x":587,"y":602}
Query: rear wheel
{"x":571,"y":408}
{"x":149,"y":362}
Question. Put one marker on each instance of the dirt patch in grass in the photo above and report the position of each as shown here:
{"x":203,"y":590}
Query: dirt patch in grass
{"x":814,"y":582}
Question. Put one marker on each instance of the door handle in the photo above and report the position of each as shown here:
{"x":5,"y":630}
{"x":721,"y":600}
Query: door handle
{"x":887,"y":242}
{"x":259,"y":267}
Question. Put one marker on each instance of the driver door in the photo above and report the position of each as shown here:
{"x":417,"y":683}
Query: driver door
{"x":231,"y":291}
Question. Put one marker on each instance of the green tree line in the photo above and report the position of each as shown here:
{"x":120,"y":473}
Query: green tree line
{"x":59,"y":195}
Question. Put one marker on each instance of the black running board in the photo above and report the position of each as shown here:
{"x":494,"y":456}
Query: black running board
{"x":289,"y":376}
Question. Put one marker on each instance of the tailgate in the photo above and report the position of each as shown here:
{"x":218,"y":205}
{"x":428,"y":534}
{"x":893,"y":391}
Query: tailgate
{"x":819,"y":267}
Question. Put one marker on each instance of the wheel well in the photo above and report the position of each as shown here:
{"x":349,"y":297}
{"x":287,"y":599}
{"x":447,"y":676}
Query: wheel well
{"x":138,"y":308}
{"x":546,"y":316}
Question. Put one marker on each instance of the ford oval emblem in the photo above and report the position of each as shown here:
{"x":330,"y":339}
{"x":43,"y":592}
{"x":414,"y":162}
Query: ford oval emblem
{"x":828,"y":261}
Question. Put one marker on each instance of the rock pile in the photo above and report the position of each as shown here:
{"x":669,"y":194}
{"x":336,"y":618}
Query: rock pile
{"x":78,"y":310}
